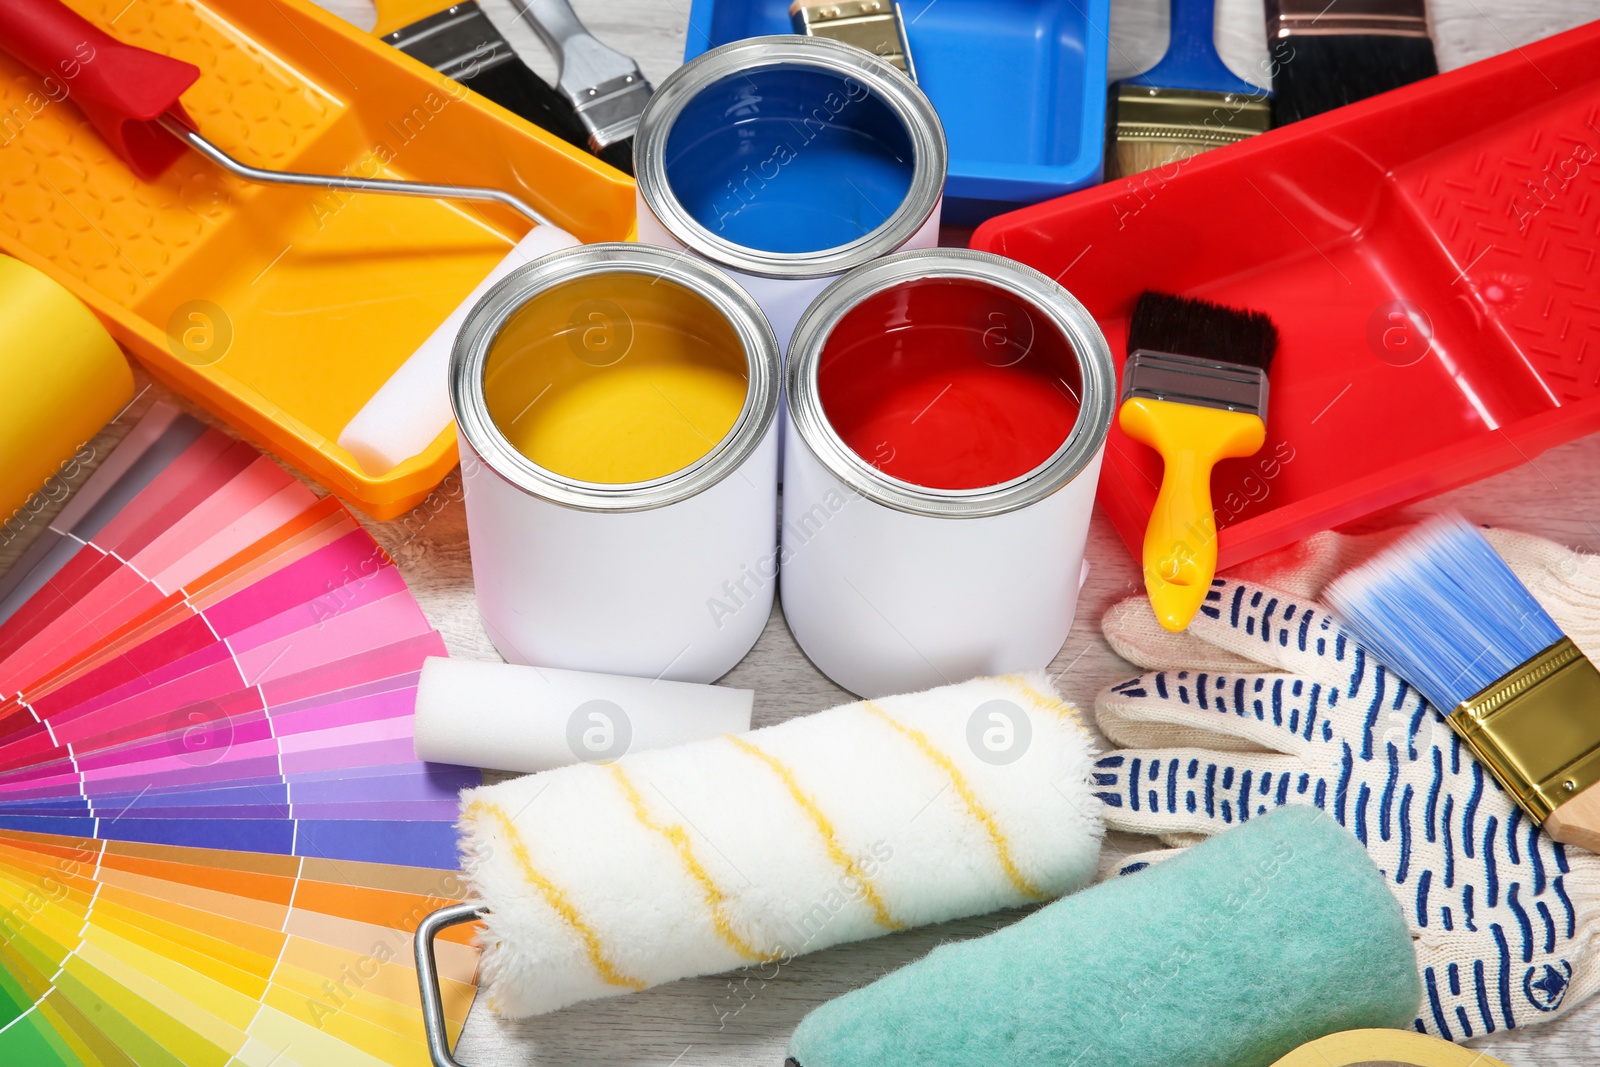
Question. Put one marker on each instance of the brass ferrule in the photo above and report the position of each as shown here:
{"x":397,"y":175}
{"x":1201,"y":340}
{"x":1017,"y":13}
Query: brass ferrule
{"x":874,"y":25}
{"x":1537,"y":728}
{"x":1318,"y":18}
{"x":1148,"y":113}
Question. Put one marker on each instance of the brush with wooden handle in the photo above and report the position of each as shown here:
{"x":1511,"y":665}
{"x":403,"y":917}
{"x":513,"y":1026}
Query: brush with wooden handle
{"x":1445,"y":611}
{"x":1194,"y":388}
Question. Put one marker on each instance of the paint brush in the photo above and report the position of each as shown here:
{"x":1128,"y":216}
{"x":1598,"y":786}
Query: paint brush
{"x":1328,"y":53}
{"x":1188,"y":103}
{"x":461,"y":43}
{"x":606,"y":88}
{"x":1445,"y":611}
{"x":875,"y":26}
{"x":1194,"y":388}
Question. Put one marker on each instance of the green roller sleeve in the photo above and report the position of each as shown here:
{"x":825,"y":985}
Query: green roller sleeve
{"x":1230,"y":954}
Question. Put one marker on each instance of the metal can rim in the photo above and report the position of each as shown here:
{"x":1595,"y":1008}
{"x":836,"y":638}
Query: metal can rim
{"x":1088,"y":434}
{"x":929,"y":150}
{"x":470,"y":354}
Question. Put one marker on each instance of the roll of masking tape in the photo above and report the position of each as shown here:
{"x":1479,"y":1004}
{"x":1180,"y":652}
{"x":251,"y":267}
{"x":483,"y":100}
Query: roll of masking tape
{"x":1384,"y":1048}
{"x":63,"y":378}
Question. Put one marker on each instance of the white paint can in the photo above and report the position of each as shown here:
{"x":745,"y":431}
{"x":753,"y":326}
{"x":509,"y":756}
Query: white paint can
{"x":948,"y":412}
{"x":787,"y":161}
{"x":617,"y":406}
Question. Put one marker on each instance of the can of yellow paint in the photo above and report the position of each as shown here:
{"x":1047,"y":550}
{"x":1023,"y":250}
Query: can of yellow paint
{"x":617,"y":407}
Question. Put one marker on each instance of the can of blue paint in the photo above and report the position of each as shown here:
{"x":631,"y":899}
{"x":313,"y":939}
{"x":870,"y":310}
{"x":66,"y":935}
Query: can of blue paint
{"x":787,"y":161}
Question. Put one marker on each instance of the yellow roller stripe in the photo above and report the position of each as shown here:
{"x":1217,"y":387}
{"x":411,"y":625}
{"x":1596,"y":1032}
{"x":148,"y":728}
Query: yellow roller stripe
{"x":958,"y":782}
{"x":830,"y":837}
{"x":554,"y":896}
{"x":1046,"y":703}
{"x":678,"y":838}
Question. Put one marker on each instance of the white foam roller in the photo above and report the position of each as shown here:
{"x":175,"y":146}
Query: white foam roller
{"x":513,"y":718}
{"x":413,"y":406}
{"x":748,"y":849}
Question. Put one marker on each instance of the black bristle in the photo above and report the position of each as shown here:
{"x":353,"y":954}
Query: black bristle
{"x":517,"y":88}
{"x":619,"y":155}
{"x":1182,"y":326}
{"x":1317,"y":74}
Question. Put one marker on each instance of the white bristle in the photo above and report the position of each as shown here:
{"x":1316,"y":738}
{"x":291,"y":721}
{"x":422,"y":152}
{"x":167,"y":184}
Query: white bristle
{"x":1442,"y":608}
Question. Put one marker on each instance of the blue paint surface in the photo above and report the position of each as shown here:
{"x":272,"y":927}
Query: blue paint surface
{"x":789,"y":159}
{"x":1020,"y":86}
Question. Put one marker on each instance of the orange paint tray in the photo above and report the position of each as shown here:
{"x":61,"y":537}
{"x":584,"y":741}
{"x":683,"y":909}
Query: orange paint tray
{"x":284,"y":309}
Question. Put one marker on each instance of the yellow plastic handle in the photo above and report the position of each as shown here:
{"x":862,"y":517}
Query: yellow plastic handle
{"x":1180,"y":544}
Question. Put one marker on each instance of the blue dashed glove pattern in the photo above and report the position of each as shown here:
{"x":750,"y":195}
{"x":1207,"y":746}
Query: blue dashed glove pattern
{"x":1280,"y":705}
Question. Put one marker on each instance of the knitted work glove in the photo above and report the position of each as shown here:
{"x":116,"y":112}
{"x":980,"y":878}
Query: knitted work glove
{"x":1265,"y":700}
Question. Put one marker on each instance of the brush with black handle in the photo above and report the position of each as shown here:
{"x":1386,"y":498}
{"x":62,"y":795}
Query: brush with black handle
{"x":1444,"y":611}
{"x":1328,"y":53}
{"x":1194,"y":388}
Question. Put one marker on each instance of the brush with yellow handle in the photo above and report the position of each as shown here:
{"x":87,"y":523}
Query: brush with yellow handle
{"x":1194,"y":388}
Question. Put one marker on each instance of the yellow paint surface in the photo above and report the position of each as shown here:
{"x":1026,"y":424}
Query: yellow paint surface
{"x":616,"y":379}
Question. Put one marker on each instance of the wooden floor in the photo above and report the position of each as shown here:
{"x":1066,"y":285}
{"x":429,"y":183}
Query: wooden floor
{"x":738,"y":1020}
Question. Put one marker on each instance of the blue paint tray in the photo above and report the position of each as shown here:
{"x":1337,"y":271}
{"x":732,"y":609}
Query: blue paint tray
{"x":1020,"y":86}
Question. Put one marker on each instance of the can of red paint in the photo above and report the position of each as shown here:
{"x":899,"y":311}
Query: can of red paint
{"x":787,"y":161}
{"x":948,"y":411}
{"x":618,"y":413}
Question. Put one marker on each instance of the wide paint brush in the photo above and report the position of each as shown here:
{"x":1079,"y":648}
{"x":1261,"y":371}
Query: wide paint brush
{"x":875,"y":26}
{"x":1328,"y":53}
{"x":461,"y":43}
{"x":606,"y":88}
{"x":1188,"y":103}
{"x":1194,"y":388}
{"x":1443,"y":610}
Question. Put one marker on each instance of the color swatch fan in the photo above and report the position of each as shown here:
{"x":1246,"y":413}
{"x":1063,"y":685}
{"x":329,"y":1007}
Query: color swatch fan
{"x":215,"y":840}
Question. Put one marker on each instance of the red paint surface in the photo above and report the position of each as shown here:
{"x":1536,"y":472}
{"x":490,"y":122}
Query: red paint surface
{"x":949,"y":384}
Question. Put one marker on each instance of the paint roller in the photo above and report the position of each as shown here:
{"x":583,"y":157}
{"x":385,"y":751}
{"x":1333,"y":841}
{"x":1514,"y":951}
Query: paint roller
{"x":602,"y":878}
{"x":413,"y":407}
{"x":131,"y":96}
{"x":1227,"y":954}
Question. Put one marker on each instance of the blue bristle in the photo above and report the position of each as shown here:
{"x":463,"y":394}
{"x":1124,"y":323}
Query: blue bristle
{"x":1442,"y":608}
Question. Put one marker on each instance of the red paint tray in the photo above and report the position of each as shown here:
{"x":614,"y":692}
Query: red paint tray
{"x":1431,"y":257}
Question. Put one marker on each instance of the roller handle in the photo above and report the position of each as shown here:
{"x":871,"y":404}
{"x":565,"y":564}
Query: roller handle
{"x":428,"y":931}
{"x":1180,"y":543}
{"x":121,"y":89}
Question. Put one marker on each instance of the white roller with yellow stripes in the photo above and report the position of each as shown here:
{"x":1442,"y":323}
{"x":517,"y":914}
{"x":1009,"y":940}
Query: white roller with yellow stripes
{"x":875,"y":816}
